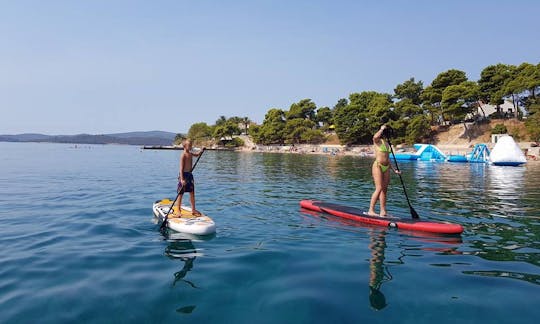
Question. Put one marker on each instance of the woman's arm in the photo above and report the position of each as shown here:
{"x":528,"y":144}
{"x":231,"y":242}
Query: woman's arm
{"x":377,"y":136}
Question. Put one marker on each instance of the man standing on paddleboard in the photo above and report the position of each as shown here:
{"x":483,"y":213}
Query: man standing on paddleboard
{"x":380,"y":172}
{"x":186,"y":183}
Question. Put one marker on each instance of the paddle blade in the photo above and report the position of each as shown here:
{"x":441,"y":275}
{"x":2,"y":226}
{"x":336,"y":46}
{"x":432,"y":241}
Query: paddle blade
{"x":163,"y":225}
{"x":414,"y":214}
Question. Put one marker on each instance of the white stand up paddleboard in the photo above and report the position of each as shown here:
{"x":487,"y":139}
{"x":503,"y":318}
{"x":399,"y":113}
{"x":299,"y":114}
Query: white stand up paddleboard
{"x":184,"y":222}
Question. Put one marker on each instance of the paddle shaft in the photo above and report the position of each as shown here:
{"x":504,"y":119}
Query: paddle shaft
{"x":181,"y":191}
{"x":414,"y":214}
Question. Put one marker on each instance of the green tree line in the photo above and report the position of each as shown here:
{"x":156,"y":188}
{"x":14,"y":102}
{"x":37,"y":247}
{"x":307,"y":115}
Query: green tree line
{"x":410,"y":111}
{"x":223,"y":131}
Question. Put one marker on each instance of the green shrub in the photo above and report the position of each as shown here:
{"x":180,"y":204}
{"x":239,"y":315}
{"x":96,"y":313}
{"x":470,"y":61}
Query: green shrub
{"x":235,"y":142}
{"x":499,"y":129}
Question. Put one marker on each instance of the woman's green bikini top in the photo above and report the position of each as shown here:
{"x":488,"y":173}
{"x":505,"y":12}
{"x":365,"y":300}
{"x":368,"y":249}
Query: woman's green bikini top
{"x":383,"y":147}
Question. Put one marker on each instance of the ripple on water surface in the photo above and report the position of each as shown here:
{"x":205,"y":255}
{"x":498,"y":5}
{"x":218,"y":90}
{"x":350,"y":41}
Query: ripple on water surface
{"x":79,"y":242}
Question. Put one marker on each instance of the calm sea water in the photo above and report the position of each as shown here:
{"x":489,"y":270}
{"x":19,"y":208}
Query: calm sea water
{"x":78,"y":242}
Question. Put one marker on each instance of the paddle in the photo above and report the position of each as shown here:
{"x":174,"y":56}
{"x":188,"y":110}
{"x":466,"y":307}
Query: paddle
{"x":181,"y":191}
{"x":414,"y":214}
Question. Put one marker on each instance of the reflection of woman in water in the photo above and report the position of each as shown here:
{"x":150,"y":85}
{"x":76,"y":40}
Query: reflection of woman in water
{"x":378,"y":273}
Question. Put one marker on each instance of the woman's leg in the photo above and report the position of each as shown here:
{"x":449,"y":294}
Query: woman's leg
{"x":378,"y":180}
{"x":384,"y":190}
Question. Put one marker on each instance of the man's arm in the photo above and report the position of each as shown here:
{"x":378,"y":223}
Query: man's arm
{"x":182,"y":167}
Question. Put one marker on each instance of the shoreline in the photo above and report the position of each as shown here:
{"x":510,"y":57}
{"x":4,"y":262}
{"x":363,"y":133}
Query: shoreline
{"x":321,"y":149}
{"x":533,"y":153}
{"x":336,"y":149}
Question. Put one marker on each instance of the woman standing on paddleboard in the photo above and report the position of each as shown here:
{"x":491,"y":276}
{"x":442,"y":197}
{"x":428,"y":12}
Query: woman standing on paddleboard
{"x":380,"y":171}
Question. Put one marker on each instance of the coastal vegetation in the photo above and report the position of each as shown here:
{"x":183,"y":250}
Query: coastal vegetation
{"x":413,"y":111}
{"x":499,"y":129}
{"x":224,"y":132}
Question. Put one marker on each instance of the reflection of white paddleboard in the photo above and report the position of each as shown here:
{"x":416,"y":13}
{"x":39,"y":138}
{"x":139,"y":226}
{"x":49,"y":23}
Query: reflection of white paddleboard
{"x":184,"y":222}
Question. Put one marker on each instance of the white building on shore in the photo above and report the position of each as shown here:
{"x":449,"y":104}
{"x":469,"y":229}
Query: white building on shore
{"x":505,"y":109}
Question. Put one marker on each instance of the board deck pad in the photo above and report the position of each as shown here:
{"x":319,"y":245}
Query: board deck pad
{"x":184,"y":213}
{"x":352,"y":210}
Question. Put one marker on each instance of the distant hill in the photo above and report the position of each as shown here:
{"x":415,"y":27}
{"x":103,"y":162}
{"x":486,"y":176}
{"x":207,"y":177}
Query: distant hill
{"x":23,"y":137}
{"x":131,"y":138}
{"x":158,"y":134}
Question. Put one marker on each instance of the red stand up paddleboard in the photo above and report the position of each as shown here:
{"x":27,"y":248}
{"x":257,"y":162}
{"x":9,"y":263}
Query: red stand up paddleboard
{"x":359,"y":215}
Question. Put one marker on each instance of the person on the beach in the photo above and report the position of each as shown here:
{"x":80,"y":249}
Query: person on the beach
{"x":186,"y":182}
{"x":380,"y":172}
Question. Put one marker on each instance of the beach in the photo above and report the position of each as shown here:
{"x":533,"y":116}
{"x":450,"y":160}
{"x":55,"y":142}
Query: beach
{"x":532,"y":153}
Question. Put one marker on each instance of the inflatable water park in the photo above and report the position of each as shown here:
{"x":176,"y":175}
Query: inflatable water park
{"x":506,"y":152}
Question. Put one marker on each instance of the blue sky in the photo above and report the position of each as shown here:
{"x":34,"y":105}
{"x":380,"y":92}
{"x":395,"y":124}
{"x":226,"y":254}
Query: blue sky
{"x":106,"y":66}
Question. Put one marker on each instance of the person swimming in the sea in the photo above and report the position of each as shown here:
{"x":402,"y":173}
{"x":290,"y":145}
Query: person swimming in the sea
{"x":380,"y":172}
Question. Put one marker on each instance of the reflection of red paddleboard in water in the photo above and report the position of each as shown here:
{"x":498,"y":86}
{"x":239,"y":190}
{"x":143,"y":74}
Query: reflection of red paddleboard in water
{"x":416,"y":235}
{"x":359,"y":215}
